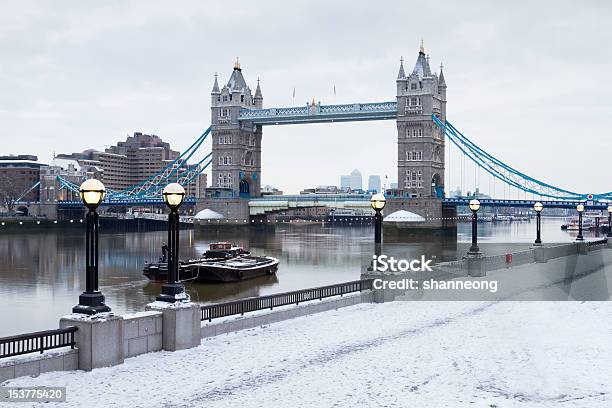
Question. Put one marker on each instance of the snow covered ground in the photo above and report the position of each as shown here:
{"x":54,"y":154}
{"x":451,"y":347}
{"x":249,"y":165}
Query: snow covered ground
{"x":400,"y":354}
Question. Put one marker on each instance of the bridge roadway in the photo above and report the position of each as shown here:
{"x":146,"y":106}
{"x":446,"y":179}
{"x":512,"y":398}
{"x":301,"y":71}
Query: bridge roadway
{"x":353,"y":201}
{"x":362,"y":201}
{"x":123,"y":202}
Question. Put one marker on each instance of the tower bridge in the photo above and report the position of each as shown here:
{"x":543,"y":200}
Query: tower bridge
{"x":238,"y":117}
{"x":419,"y":110}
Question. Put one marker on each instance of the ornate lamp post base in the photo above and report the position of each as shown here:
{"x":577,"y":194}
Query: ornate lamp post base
{"x":474,"y":251}
{"x":91,"y":303}
{"x":172,"y":292}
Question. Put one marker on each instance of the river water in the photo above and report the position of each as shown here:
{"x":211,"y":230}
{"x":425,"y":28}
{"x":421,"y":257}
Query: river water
{"x":42,"y":274}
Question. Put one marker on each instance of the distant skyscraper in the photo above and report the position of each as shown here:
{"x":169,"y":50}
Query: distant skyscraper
{"x":345,"y":182}
{"x":352,"y":181}
{"x":356,"y":180}
{"x":374,"y":183}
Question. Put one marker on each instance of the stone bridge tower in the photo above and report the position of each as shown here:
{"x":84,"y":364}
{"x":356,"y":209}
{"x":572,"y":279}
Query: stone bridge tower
{"x":420,"y":161}
{"x":236,"y":147}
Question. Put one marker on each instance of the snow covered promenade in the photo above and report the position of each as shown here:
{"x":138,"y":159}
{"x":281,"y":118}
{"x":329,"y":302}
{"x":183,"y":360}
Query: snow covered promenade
{"x":399,"y":354}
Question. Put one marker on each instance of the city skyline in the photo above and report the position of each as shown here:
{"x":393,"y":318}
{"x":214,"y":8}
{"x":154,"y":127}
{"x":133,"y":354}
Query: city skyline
{"x":102,"y":72}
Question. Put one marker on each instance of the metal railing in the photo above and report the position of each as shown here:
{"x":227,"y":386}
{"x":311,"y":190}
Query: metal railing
{"x":242,"y":306}
{"x":37,"y":342}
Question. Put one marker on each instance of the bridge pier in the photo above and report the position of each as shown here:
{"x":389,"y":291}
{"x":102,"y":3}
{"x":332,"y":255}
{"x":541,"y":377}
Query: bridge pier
{"x":438,"y":218}
{"x":230,"y":208}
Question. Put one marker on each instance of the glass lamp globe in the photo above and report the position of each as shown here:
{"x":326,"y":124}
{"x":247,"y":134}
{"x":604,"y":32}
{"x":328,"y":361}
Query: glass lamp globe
{"x":474,"y":205}
{"x":378,"y":201}
{"x":92,"y":193}
{"x":610,"y":208}
{"x":538,"y":207}
{"x":580,"y":208}
{"x":173,"y":194}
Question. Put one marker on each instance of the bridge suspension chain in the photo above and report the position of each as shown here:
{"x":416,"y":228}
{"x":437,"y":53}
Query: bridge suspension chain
{"x":510,"y":176}
{"x":173,"y":172}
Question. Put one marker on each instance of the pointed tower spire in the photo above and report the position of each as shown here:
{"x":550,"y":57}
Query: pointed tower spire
{"x":441,"y":80}
{"x":215,"y":89}
{"x":258,"y":98}
{"x":401,"y":74}
{"x":258,"y":91}
{"x":422,"y":48}
{"x":237,"y":64}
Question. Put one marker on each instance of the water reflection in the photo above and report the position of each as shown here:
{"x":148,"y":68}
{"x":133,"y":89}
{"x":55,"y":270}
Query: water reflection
{"x":42,"y":274}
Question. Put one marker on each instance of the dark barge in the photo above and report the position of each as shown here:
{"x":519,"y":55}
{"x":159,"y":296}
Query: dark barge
{"x":223,"y":262}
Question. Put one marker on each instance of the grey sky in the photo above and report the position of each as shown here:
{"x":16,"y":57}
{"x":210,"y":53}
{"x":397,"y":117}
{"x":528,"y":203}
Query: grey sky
{"x":527,"y":81}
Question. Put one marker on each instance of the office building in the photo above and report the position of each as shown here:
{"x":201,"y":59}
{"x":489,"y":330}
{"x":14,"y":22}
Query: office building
{"x":374,"y":183}
{"x":352,"y":181}
{"x":18,"y":174}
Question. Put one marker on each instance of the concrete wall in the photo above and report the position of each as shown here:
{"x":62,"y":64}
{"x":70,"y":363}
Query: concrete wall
{"x":34,"y":364}
{"x":532,"y":255}
{"x":283,"y":313}
{"x":142,"y":333}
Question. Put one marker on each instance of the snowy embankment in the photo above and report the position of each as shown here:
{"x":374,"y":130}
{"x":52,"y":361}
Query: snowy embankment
{"x":400,"y":354}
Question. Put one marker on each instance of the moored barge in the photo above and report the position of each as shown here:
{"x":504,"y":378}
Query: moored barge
{"x":222,"y":262}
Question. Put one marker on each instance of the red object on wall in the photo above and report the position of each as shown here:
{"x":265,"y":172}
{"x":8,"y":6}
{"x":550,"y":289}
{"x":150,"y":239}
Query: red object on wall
{"x":508,"y":258}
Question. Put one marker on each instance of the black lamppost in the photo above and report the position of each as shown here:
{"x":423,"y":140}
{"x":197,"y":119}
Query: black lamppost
{"x":580,"y":209}
{"x":609,"y":220}
{"x":538,"y":207}
{"x":92,"y":300}
{"x":378,"y":202}
{"x":474,"y":206}
{"x":173,"y":290}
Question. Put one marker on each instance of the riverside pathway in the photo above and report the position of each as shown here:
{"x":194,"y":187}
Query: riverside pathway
{"x":399,"y":354}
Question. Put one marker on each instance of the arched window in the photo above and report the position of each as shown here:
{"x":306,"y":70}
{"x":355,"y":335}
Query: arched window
{"x":245,"y":189}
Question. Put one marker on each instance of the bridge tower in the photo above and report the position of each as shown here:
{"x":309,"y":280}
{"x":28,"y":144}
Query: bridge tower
{"x":236,"y":147}
{"x":420,"y":161}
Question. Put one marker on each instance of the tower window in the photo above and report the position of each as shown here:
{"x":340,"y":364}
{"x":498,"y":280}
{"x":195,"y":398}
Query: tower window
{"x":413,"y":86}
{"x":414,"y":155}
{"x":415,"y":101}
{"x":241,"y":98}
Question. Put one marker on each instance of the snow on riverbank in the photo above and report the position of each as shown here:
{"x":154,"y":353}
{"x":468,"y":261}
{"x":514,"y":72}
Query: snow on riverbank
{"x":400,"y":354}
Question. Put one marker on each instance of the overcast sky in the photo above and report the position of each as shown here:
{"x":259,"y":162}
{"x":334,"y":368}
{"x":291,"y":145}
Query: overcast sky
{"x":528,"y":82}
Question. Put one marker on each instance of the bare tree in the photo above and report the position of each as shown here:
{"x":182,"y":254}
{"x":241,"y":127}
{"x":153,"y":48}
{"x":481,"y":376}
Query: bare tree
{"x":9,"y":191}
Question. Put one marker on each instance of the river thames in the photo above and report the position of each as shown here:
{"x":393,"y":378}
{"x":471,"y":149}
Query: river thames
{"x":42,"y":274}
